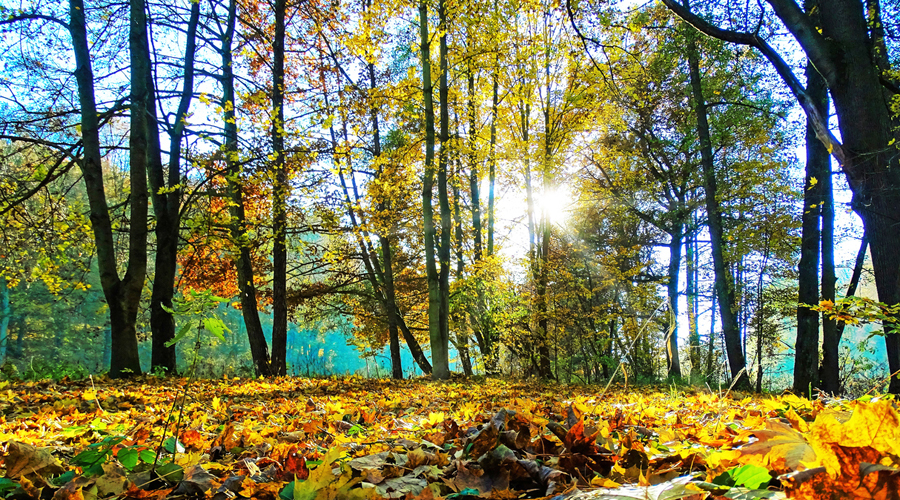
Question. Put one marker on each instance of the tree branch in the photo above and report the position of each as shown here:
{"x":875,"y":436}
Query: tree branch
{"x":818,"y":122}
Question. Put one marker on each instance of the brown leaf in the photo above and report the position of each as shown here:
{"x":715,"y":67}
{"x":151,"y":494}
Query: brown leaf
{"x":23,"y":459}
{"x":113,"y":481}
{"x":485,"y":440}
{"x":71,"y":491}
{"x":576,"y":442}
{"x":295,"y":465}
{"x":197,"y":481}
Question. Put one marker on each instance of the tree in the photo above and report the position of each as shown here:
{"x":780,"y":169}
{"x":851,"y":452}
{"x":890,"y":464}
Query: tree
{"x":851,"y":54}
{"x":166,"y":195}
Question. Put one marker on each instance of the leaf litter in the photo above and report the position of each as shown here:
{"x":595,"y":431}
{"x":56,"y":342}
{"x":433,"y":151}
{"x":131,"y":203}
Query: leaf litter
{"x":354,"y":438}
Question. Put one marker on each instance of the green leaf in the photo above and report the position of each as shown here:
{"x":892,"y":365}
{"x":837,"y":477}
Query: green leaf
{"x":128,"y":457}
{"x":147,"y":456}
{"x":94,"y":470}
{"x":287,"y":493}
{"x":89,"y":457}
{"x":464,"y":493}
{"x":215,"y":326}
{"x":171,"y":446}
{"x":185,"y":328}
{"x":751,"y":476}
{"x":171,"y":472}
{"x":7,"y":485}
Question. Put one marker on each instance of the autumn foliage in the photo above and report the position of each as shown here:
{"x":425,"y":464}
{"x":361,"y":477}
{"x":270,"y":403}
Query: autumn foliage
{"x":355,"y":438}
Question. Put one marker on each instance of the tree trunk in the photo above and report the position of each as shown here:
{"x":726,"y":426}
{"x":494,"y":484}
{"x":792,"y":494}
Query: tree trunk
{"x":440,"y":368}
{"x":723,"y":288}
{"x":167,"y":207}
{"x":492,"y":174}
{"x":674,"y":367}
{"x":848,"y":58}
{"x":692,"y":303}
{"x":385,"y":244}
{"x":280,"y":190}
{"x":806,"y":353}
{"x":546,"y":230}
{"x":122,"y":295}
{"x":5,"y":313}
{"x":874,"y":169}
{"x":711,"y":347}
{"x":259,"y":350}
{"x":831,"y":372}
{"x":440,"y":352}
{"x":462,"y":333}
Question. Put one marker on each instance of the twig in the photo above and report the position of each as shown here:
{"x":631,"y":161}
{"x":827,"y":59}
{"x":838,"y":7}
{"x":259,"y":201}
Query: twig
{"x":636,"y":337}
{"x":882,"y":381}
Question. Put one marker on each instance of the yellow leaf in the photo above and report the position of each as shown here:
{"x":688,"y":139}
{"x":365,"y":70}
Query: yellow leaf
{"x":778,"y":447}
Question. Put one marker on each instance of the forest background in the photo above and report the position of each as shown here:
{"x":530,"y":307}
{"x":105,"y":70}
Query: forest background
{"x":518,"y":188}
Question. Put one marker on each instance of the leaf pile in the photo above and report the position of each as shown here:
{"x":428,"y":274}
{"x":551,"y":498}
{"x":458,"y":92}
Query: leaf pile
{"x":295,"y":439}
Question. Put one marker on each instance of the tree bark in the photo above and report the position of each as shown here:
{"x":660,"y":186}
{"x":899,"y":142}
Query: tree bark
{"x":492,"y":174}
{"x":280,"y":190}
{"x":5,"y":313}
{"x":122,"y":295}
{"x":806,"y":352}
{"x":462,"y":333}
{"x":675,"y":242}
{"x":167,"y":207}
{"x":723,"y":288}
{"x":440,"y":360}
{"x":259,"y":350}
{"x":692,"y":303}
{"x":440,"y":352}
{"x":831,"y":372}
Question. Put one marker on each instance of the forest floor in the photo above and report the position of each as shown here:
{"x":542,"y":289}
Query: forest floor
{"x":299,"y":439}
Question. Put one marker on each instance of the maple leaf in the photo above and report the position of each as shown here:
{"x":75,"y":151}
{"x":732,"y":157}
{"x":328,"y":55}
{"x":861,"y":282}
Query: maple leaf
{"x":875,"y":425}
{"x":779,"y":447}
{"x":324,"y":483}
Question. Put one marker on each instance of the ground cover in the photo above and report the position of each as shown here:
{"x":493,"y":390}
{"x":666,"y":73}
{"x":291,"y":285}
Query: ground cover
{"x":296,"y":439}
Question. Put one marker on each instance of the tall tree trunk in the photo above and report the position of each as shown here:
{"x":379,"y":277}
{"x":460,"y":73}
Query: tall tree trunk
{"x":385,"y":242}
{"x":842,"y":51}
{"x":831,"y":339}
{"x":692,"y":303}
{"x":167,"y":207}
{"x":5,"y":313}
{"x":280,"y":189}
{"x":711,"y":347}
{"x":674,"y":367}
{"x":806,"y":353}
{"x":259,"y":350}
{"x":122,"y":295}
{"x":462,"y":334}
{"x":543,"y":309}
{"x":873,"y":169}
{"x":724,"y":289}
{"x":525,"y":124}
{"x":492,"y":161}
{"x":439,"y":349}
{"x":440,"y":353}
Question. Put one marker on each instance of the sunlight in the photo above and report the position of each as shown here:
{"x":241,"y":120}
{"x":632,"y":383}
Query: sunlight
{"x":557,"y":203}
